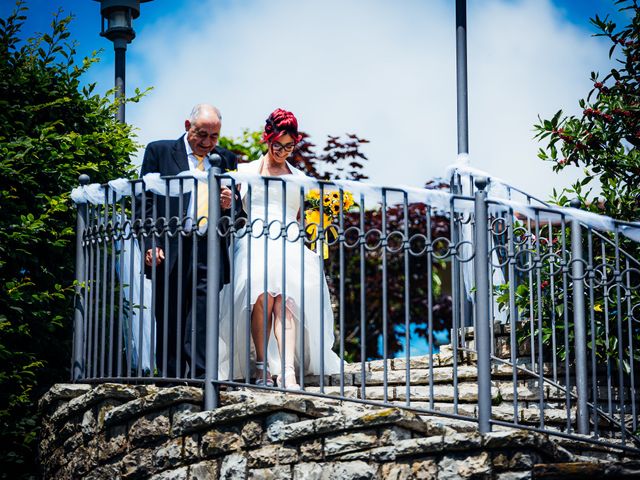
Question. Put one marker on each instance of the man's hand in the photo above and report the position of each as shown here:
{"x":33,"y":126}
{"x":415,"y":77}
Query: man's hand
{"x":148,"y":257}
{"x":225,"y":198}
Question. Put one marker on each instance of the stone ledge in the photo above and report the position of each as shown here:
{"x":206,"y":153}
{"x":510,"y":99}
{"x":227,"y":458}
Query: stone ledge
{"x":162,"y":398}
{"x":62,"y":391}
{"x":259,"y":434}
{"x":252,"y":406}
{"x":105,"y":391}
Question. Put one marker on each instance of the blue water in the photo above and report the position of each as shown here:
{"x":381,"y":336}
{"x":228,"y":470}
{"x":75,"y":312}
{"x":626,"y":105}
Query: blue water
{"x":418,"y":343}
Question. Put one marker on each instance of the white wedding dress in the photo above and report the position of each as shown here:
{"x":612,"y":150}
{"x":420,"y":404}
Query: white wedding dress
{"x":253,"y":267}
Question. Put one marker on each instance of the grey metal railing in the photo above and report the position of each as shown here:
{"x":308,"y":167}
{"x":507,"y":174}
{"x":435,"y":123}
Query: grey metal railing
{"x":543,"y":316}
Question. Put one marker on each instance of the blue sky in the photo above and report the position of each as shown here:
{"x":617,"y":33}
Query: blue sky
{"x":383,"y":70}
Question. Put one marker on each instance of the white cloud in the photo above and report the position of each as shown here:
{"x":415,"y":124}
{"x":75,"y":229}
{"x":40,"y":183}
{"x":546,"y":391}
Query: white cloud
{"x":383,"y":70}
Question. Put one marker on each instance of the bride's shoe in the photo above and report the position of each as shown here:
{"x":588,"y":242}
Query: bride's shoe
{"x":259,"y":375}
{"x":291,"y":383}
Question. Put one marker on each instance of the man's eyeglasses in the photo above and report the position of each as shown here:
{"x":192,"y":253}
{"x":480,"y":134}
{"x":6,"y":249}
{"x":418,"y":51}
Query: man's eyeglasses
{"x":278,"y":147}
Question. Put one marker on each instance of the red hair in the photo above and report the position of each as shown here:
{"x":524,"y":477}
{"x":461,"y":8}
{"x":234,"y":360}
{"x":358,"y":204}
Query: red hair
{"x":280,"y":123}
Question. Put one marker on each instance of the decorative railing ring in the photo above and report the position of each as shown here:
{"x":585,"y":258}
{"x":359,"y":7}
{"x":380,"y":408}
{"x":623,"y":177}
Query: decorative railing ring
{"x":239,"y":228}
{"x":635,"y":285}
{"x":497,"y":251}
{"x":127,"y":230}
{"x":393,"y":245}
{"x":520,"y":236}
{"x":498,"y":222}
{"x":446,"y":252}
{"x":356,"y":236}
{"x":294,"y":232}
{"x":117,"y":230}
{"x":522,"y":266}
{"x":367,"y":236}
{"x":556,"y":261}
{"x":137,"y":228}
{"x":184,"y":228}
{"x":173,"y":232}
{"x":623,"y":293}
{"x":601,"y":271}
{"x":224,"y":226}
{"x":329,"y":238}
{"x":159,"y":227}
{"x":277,"y":232}
{"x":412,"y":242}
{"x":458,"y":251}
{"x":202,"y":226}
{"x":585,"y":269}
{"x":257,"y":228}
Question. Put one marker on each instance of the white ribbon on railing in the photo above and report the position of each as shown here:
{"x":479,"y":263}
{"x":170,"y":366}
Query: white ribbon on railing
{"x":121,"y":187}
{"x":555,"y":214}
{"x":92,"y":193}
{"x":497,"y":187}
{"x":438,"y":199}
{"x":153,"y":182}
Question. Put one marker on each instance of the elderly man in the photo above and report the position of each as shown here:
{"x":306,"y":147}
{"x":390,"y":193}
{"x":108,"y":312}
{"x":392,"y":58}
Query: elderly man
{"x":177,"y":317}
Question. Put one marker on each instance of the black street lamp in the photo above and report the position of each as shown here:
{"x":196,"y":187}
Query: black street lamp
{"x":461,"y":76}
{"x":118,"y":16}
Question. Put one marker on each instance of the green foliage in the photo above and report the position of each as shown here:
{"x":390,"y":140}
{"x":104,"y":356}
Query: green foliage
{"x":604,"y":140}
{"x":248,"y":146}
{"x":543,"y":295}
{"x":52,"y":129}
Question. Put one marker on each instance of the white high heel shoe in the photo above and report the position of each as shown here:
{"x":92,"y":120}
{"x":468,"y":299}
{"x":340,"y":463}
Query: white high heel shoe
{"x":290,"y":381}
{"x":259,"y":375}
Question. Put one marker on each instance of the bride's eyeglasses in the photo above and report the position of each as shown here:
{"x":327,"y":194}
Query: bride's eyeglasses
{"x":278,"y":147}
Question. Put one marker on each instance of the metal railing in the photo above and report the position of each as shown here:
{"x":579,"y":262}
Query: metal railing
{"x":542,"y":308}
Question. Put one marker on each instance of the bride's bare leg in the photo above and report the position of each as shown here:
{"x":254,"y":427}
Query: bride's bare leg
{"x":257,"y":329}
{"x":289,"y":343}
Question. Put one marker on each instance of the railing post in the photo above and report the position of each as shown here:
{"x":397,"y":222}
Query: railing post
{"x":77,"y":370}
{"x":213,"y":290}
{"x":579,"y":325}
{"x":483,"y":332}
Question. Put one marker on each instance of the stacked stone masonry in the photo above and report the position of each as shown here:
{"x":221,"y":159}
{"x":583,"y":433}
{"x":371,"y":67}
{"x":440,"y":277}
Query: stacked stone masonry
{"x":113,"y":431}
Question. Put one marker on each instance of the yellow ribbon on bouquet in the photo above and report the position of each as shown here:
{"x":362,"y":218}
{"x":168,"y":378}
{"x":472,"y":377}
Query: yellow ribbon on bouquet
{"x":312,"y":219}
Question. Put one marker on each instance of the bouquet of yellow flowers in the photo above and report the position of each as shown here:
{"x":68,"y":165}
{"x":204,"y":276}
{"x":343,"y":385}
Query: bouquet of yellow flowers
{"x":330,"y":207}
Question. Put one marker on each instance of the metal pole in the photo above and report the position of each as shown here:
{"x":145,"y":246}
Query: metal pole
{"x":77,"y":372}
{"x":213,"y":290}
{"x":461,"y":76}
{"x":120,"y":46}
{"x":483,"y":333}
{"x":577,"y":274}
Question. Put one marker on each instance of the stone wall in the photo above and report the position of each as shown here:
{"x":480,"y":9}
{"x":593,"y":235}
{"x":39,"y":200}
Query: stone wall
{"x":115,"y":431}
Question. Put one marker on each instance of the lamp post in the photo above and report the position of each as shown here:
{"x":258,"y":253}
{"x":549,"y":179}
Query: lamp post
{"x":118,"y":16}
{"x":461,"y":76}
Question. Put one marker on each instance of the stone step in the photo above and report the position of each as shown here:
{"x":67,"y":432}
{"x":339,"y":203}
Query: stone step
{"x":419,"y":373}
{"x":466,"y":392}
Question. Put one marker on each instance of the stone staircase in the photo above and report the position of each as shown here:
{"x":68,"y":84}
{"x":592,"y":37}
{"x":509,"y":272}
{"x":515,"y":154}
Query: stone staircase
{"x":461,"y":399}
{"x":144,"y":431}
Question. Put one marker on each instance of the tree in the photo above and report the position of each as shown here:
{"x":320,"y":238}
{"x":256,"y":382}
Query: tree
{"x":605,"y":141}
{"x":52,"y":129}
{"x":605,"y":138}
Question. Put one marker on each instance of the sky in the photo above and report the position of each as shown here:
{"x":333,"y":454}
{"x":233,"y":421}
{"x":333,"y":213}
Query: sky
{"x":383,"y":70}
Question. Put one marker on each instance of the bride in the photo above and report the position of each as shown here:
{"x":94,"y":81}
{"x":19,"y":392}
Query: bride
{"x":256,"y":295}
